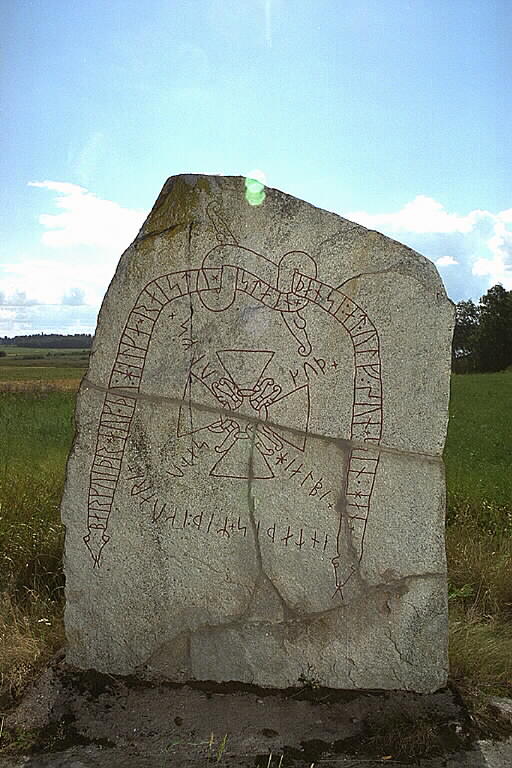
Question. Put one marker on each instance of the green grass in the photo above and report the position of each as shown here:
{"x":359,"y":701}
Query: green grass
{"x":32,"y":364}
{"x":12,"y":351}
{"x":36,"y":437}
{"x":37,"y":431}
{"x":37,"y":434}
{"x":479,"y":445}
{"x":478,"y":460}
{"x":39,"y":373}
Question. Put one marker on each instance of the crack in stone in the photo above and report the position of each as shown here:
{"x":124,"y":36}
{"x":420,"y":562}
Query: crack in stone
{"x":191,"y":307}
{"x":399,"y":584}
{"x":250,"y":509}
{"x":349,"y":226}
{"x":396,"y":676}
{"x":415,"y":577}
{"x":242,"y":621}
{"x":344,"y":533}
{"x":397,"y":649}
{"x":372,"y":590}
{"x":400,"y":267}
{"x":157,"y":232}
{"x":247,"y":419}
{"x":392,"y":268}
{"x":349,"y":672}
{"x":263,"y":576}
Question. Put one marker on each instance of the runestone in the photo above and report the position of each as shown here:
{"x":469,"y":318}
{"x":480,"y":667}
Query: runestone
{"x":256,"y":489}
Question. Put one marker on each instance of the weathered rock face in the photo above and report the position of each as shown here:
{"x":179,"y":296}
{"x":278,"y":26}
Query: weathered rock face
{"x":256,"y":490}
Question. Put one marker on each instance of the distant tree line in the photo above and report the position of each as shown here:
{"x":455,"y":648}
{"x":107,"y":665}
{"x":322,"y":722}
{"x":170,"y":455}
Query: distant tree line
{"x":50,"y":341}
{"x":482,"y":340}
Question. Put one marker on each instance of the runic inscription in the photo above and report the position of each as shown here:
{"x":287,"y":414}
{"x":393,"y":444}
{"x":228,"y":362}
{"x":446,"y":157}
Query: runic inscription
{"x":237,"y":403}
{"x":248,"y":390}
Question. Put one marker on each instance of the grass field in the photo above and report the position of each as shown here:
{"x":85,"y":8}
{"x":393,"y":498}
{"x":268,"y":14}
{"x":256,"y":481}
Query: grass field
{"x":478,"y":459}
{"x":39,"y":373}
{"x":32,"y":352}
{"x":33,"y":364}
{"x":36,"y":436}
{"x":28,"y":368}
{"x":479,"y":445}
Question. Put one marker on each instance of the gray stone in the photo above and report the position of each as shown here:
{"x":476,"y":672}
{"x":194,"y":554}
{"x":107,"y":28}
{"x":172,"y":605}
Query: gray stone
{"x":503,"y":705}
{"x":256,"y":489}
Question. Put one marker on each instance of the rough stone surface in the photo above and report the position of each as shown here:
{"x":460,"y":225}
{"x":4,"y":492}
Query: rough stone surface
{"x":503,"y":706}
{"x":80,"y":719}
{"x":256,"y":489}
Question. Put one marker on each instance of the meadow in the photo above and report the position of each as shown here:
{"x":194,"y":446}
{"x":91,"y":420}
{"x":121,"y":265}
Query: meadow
{"x":48,"y":367}
{"x":478,"y":459}
{"x":23,"y":368}
{"x":36,"y":435}
{"x":47,"y":357}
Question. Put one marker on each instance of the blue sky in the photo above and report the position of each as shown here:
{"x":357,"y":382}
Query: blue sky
{"x":393,"y":113}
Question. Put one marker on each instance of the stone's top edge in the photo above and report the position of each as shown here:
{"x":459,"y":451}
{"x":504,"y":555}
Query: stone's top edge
{"x":190,"y":178}
{"x":193,"y":175}
{"x":411,"y":262}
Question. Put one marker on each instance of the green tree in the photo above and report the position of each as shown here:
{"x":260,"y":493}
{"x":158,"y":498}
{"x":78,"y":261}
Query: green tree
{"x":494,"y":336}
{"x":465,"y":337}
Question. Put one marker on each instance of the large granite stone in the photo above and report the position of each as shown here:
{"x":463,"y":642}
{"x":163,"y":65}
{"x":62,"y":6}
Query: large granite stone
{"x":256,"y":490}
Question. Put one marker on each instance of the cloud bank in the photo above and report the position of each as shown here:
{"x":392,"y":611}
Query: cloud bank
{"x":86,"y":219}
{"x":472,"y":252}
{"x":59,"y":286}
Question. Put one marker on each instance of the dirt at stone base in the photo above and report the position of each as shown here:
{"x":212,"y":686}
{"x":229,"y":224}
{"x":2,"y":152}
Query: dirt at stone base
{"x":77,"y":719}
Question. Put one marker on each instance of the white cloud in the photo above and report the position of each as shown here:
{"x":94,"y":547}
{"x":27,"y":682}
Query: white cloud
{"x":62,"y":285}
{"x":74,"y":297}
{"x":40,"y":319}
{"x":499,"y":266}
{"x":46,"y":281}
{"x":257,"y":174}
{"x":87,"y":219}
{"x":477,"y":247}
{"x":16,"y":299}
{"x":423,"y":214}
{"x":66,"y":280}
{"x":445,"y":261}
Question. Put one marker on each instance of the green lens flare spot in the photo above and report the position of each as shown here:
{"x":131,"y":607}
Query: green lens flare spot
{"x":254,"y":191}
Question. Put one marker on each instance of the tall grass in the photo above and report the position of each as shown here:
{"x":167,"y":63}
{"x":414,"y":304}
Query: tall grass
{"x":478,"y":460}
{"x":36,"y":433}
